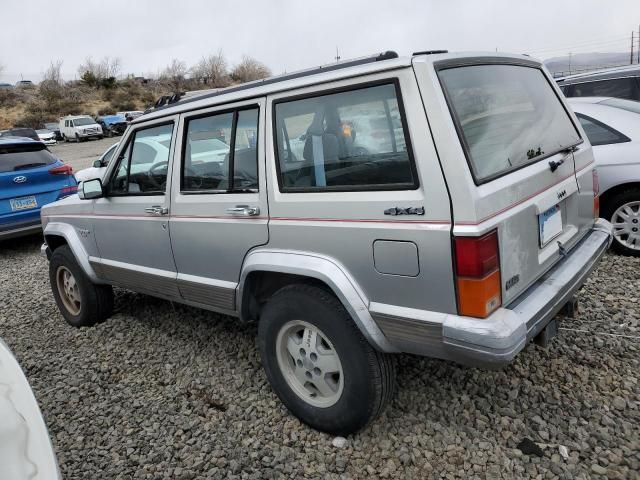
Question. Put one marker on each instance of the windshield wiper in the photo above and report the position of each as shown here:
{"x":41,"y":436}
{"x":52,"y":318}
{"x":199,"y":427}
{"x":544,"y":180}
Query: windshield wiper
{"x":28,"y":165}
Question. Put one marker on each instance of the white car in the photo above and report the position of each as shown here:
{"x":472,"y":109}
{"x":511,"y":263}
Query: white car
{"x":25,"y":446}
{"x":47,"y":136}
{"x":206,"y":152}
{"x":613,"y":128}
{"x":99,"y":166}
{"x":79,"y":128}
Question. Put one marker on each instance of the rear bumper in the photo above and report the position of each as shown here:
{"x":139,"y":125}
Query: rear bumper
{"x":495,"y":341}
{"x":19,"y":229}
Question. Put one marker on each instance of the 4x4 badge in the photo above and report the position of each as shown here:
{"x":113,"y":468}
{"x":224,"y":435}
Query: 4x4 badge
{"x":404,"y":211}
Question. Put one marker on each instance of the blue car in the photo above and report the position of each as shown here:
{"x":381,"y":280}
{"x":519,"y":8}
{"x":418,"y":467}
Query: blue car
{"x":30,"y":177}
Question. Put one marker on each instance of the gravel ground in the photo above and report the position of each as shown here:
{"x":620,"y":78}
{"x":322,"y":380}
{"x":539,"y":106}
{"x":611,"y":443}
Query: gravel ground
{"x":173,"y":392}
{"x":82,"y":155}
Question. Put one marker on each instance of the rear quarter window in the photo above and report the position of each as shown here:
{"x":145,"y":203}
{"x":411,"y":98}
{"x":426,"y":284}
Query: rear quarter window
{"x":507,"y":116}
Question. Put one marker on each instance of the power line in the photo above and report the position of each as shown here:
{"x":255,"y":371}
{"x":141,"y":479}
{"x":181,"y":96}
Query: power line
{"x":577,"y":44}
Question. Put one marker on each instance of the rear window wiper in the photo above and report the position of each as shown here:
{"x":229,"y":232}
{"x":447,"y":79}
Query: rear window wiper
{"x":28,"y":165}
{"x":553,"y":165}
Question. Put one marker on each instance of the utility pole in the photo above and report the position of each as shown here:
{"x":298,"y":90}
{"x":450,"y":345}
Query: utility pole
{"x":337,"y":55}
{"x":639,"y":44}
{"x":570,"y":62}
{"x":631,"y":57}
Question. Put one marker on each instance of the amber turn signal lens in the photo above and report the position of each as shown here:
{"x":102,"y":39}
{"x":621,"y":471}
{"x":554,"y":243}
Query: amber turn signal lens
{"x":479,"y":297}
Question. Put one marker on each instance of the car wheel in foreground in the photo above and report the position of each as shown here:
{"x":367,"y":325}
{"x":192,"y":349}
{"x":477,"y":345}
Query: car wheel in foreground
{"x":77,"y":138}
{"x":318,"y":362}
{"x":623,"y":211}
{"x":81,"y":302}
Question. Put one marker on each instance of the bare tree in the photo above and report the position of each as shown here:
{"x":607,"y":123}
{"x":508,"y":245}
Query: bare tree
{"x":52,"y":73}
{"x":212,"y":70}
{"x":100,"y":70}
{"x":1,"y":69}
{"x":174,"y":74}
{"x":249,"y":69}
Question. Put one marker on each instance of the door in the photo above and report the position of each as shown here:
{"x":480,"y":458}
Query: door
{"x":131,"y":222}
{"x":357,"y":180}
{"x":219,"y":205}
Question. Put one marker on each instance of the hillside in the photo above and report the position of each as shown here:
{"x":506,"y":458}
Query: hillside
{"x":587,"y":61}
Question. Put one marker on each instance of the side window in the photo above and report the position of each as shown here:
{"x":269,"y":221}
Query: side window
{"x":600,"y":134}
{"x":217,"y":145}
{"x":619,"y":88}
{"x":352,"y":140}
{"x":142,"y":167}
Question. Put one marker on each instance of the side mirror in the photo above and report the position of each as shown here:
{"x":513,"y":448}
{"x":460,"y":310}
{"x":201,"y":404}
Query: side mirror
{"x":91,"y":189}
{"x":97,"y":164}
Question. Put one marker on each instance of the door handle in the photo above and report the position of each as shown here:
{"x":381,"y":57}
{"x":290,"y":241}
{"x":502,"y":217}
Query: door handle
{"x":244,"y":210}
{"x":157,"y":210}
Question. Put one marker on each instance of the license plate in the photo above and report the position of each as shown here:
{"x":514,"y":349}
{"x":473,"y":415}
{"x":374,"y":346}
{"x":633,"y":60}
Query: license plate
{"x":550,"y":224}
{"x":23,"y":203}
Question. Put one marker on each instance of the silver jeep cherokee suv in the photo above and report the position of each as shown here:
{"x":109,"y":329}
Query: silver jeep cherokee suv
{"x":438,"y":204}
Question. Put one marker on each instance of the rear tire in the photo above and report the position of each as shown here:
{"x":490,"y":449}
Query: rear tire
{"x":336,"y":381}
{"x":626,"y":241}
{"x":81,"y":302}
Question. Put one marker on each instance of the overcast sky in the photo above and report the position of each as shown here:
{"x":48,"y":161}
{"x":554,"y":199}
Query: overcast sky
{"x":290,"y":35}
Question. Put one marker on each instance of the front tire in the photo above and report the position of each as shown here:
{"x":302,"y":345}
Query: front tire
{"x":623,"y":211}
{"x":318,"y":362}
{"x":81,"y":302}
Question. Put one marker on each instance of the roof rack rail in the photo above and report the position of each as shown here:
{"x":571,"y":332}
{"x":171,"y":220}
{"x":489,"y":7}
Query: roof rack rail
{"x":168,"y":100}
{"x":430,"y":52}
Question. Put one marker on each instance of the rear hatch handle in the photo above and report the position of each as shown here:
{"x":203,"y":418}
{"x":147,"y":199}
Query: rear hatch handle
{"x":553,"y":165}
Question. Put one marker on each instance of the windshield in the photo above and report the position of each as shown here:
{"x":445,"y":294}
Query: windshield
{"x":628,"y":105}
{"x":19,"y":157}
{"x":508,"y":116}
{"x":79,"y":122}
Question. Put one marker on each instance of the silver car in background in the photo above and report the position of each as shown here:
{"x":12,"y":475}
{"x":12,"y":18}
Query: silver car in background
{"x":613,"y":128}
{"x":438,"y":204}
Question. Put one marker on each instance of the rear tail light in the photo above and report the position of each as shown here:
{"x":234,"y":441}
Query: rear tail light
{"x":596,"y":194}
{"x":61,"y":170}
{"x":69,"y":190}
{"x":478,"y":275}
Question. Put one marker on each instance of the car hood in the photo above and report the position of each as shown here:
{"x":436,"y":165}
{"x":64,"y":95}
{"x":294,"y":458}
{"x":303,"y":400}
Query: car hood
{"x":25,"y":447}
{"x":90,"y":173}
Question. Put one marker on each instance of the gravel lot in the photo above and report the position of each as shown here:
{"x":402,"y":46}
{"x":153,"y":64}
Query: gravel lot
{"x":82,"y":155}
{"x":173,"y":392}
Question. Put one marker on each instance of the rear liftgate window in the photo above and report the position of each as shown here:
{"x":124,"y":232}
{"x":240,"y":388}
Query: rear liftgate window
{"x":349,"y":140}
{"x":507,"y":116}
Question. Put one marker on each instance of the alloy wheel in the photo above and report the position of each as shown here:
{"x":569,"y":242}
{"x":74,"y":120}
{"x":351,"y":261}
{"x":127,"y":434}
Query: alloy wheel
{"x":309,"y":363}
{"x":626,"y":225}
{"x":68,"y":290}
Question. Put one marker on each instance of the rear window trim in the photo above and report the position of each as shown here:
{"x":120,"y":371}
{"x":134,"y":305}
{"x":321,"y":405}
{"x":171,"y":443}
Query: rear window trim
{"x":395,"y":81}
{"x":458,"y":63}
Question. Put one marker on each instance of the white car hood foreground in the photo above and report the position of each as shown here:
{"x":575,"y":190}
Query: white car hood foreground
{"x":90,"y":173}
{"x":25,"y":448}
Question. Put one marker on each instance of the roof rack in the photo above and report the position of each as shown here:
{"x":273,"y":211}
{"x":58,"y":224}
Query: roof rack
{"x":430,"y":52}
{"x":170,"y":100}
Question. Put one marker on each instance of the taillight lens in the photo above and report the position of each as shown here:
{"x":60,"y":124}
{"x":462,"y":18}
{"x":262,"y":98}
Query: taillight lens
{"x":596,"y":194}
{"x":478,"y":275}
{"x":61,"y":170}
{"x":69,"y":190}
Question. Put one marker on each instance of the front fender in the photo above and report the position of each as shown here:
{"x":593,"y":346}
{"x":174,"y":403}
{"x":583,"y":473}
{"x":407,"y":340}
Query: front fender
{"x":326,"y":270}
{"x":70,"y":234}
